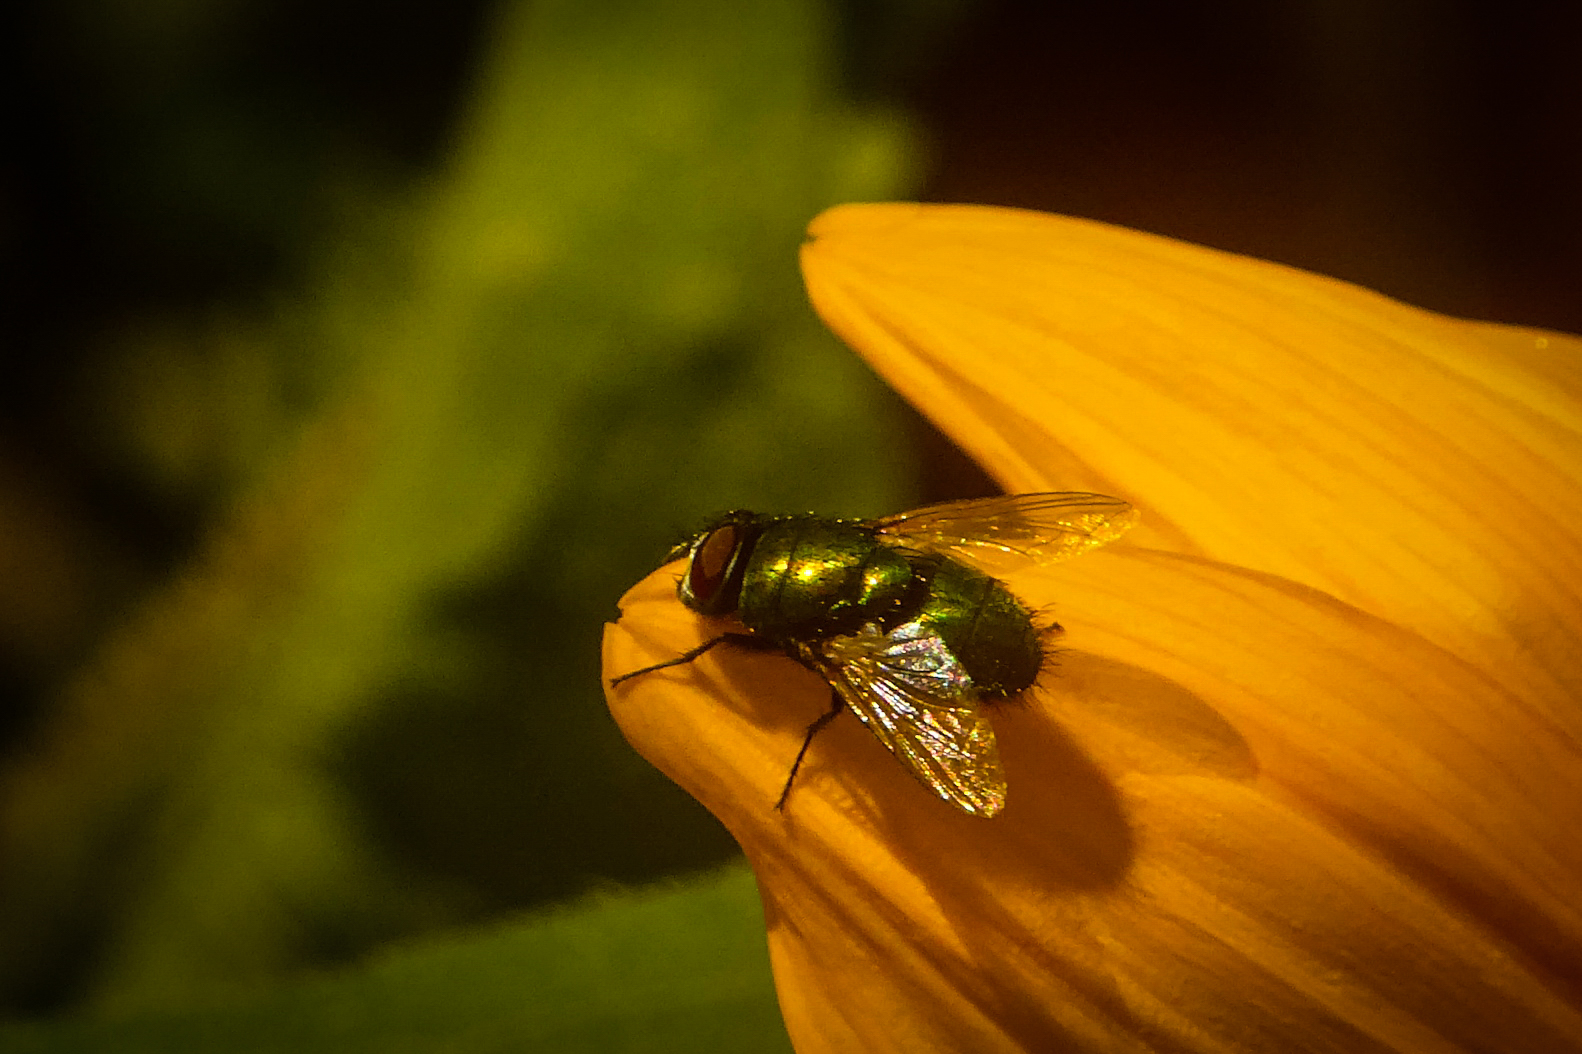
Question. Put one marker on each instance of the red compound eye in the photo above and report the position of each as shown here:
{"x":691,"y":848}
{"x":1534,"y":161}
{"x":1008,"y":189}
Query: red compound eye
{"x":711,"y":563}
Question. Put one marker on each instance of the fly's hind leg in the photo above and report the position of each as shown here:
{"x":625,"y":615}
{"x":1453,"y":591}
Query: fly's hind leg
{"x":741,"y":640}
{"x":835,"y":707}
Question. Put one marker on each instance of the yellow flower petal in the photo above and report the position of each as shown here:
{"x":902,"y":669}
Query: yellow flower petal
{"x":1427,"y":470}
{"x":1242,"y":817}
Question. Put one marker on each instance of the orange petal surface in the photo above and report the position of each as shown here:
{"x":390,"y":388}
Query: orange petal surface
{"x":1243,"y":816}
{"x":1425,"y":469}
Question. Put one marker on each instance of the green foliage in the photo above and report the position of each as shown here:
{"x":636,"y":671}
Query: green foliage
{"x":369,"y":704}
{"x":587,"y":979}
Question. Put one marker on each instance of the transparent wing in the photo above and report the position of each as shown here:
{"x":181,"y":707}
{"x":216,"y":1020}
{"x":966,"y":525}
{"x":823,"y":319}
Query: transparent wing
{"x":913,"y":695}
{"x":1044,"y":527}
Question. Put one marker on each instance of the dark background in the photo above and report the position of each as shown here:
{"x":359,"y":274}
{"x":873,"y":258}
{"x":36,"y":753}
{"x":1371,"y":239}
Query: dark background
{"x":1430,"y":149}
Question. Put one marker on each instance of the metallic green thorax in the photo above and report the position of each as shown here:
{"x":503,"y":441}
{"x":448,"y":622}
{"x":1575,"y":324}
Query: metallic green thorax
{"x":807,"y":578}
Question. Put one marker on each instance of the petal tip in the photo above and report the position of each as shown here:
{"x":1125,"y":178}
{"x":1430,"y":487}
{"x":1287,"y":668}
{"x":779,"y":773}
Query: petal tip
{"x":863,"y":218}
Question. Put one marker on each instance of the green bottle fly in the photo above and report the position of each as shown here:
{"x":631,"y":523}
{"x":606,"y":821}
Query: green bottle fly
{"x":910,"y":637}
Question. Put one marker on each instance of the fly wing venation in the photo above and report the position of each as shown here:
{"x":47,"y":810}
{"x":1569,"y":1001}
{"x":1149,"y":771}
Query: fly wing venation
{"x":1045,"y":527}
{"x":912,"y":693}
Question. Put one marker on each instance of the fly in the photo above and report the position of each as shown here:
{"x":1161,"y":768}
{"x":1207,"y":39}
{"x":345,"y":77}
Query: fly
{"x":892,"y":613}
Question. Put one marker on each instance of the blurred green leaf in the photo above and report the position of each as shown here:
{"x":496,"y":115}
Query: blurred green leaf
{"x":577,"y":979}
{"x":504,"y":392}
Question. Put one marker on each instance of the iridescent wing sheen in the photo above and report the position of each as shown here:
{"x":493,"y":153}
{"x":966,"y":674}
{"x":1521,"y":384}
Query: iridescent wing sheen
{"x":1043,"y":527}
{"x":913,"y":695}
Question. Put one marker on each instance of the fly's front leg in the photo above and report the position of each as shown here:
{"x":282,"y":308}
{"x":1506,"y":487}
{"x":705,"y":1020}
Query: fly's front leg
{"x":741,"y":640}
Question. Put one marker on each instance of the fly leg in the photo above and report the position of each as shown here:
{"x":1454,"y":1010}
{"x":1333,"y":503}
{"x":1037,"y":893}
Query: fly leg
{"x":835,"y":707}
{"x":743,"y":640}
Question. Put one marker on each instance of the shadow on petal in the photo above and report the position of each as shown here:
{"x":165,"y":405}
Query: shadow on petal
{"x":1175,"y":730}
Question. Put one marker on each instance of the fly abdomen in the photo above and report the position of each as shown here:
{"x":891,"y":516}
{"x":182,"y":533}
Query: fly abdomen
{"x":988,"y":630}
